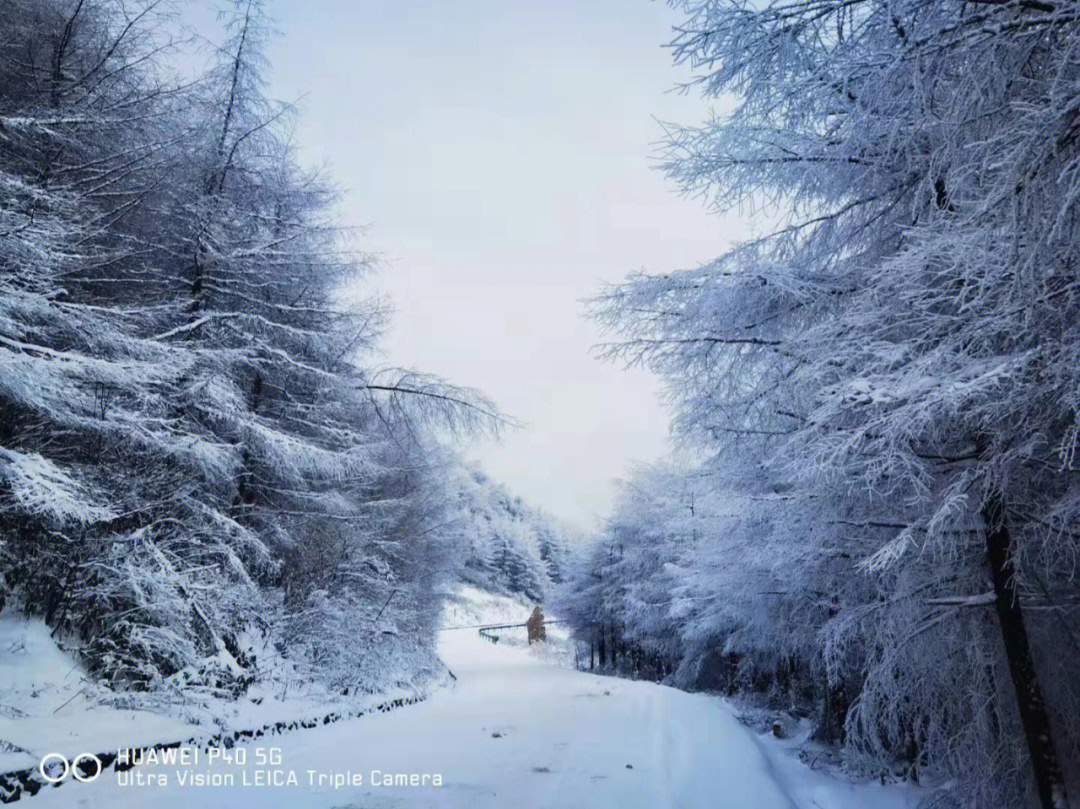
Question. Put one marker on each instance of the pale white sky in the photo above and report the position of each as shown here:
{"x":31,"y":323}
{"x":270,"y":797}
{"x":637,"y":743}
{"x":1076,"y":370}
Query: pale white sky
{"x":499,"y":151}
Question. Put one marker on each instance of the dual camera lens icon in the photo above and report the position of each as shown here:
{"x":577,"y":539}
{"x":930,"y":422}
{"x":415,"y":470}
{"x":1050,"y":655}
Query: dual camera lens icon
{"x":55,"y":768}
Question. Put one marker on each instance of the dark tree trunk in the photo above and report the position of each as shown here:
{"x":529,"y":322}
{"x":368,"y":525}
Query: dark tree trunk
{"x":1029,"y":696}
{"x":834,"y":711}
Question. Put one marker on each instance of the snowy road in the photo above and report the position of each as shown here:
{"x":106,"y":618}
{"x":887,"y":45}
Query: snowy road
{"x":512,"y":732}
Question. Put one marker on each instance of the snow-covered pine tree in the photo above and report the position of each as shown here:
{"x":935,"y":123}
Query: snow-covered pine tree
{"x":94,"y":461}
{"x":505,"y":544}
{"x":552,"y":554}
{"x":897,"y":360}
{"x":191,"y":446}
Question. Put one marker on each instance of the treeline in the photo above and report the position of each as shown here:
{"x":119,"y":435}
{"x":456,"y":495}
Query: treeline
{"x":195,"y":441}
{"x":505,"y":545}
{"x":882,"y":524}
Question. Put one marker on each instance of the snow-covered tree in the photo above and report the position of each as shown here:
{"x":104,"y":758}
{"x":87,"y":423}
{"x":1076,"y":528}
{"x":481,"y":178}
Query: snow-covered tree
{"x":505,"y":544}
{"x":896,"y":364}
{"x":552,"y":553}
{"x":196,"y":439}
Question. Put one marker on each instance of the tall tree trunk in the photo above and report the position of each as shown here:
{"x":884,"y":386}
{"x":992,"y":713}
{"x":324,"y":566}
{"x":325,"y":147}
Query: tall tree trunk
{"x":1029,"y":696}
{"x":834,"y":710}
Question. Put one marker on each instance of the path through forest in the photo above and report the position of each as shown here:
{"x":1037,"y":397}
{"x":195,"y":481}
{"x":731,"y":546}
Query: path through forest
{"x":513,"y":731}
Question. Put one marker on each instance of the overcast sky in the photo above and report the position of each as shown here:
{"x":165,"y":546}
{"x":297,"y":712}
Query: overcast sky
{"x":499,"y":151}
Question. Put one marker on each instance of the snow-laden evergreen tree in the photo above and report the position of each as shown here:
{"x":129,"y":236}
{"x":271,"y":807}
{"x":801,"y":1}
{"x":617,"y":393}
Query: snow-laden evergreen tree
{"x":505,"y":545}
{"x":90,"y":400}
{"x":896,"y":364}
{"x":693,"y":580}
{"x":552,"y":553}
{"x":193,"y":447}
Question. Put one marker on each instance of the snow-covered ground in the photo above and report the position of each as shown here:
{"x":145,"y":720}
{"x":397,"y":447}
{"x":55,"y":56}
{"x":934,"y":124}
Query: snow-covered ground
{"x":49,"y":704}
{"x":513,"y":730}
